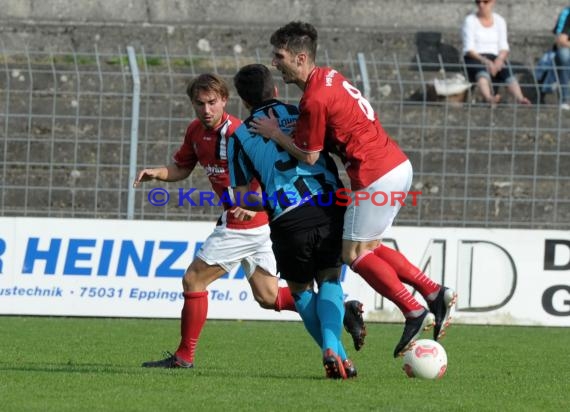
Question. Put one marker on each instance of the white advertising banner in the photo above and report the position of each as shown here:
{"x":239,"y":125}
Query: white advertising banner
{"x":89,"y":267}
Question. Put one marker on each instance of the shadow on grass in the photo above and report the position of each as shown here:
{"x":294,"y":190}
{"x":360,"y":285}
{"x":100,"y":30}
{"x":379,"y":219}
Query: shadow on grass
{"x":64,"y":367}
{"x":214,"y":372}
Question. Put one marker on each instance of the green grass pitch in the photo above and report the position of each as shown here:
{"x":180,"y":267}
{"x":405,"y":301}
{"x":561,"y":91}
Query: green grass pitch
{"x":85,"y":364}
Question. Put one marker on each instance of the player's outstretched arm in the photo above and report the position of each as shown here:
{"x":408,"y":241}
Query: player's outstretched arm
{"x":170,"y":173}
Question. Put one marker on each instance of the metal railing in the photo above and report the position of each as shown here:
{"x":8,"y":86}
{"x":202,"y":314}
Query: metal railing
{"x":68,"y":122}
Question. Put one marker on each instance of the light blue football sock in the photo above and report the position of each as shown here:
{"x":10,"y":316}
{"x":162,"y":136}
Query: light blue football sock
{"x":330,"y":309}
{"x":306,"y":304}
{"x":341,"y":352}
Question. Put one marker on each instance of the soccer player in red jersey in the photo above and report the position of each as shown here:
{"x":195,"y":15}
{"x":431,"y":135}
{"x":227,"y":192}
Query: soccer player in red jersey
{"x":334,"y":116}
{"x":241,"y":236}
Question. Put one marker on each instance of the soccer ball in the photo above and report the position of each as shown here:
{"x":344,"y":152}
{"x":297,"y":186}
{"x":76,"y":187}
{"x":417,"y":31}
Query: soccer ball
{"x":426,"y":359}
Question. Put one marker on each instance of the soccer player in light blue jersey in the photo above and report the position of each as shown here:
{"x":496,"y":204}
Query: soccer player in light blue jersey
{"x":305,"y":220}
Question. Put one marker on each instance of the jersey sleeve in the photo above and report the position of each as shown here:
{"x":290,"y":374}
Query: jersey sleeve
{"x":185,"y":156}
{"x":309,"y":134}
{"x":563,"y":22}
{"x":240,"y":175}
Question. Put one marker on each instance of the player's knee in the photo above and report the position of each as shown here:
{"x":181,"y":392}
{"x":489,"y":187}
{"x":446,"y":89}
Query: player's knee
{"x":333,"y":280}
{"x":349,"y":256}
{"x":189,"y":280}
{"x":349,"y":251}
{"x":352,"y":252}
{"x":186,"y":282}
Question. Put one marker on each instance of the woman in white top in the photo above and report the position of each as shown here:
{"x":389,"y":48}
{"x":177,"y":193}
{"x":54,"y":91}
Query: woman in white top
{"x":485,"y":50}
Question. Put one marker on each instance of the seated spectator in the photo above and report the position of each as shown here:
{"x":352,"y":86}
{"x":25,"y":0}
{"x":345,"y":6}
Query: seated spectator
{"x":562,"y":58}
{"x":485,"y":52}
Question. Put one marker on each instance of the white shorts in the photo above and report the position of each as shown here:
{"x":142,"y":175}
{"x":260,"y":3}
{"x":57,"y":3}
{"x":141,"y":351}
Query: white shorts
{"x":372,"y":217}
{"x":230,"y":247}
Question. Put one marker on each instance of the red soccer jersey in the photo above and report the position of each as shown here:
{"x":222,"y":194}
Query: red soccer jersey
{"x":209,"y":148}
{"x":334,"y":115}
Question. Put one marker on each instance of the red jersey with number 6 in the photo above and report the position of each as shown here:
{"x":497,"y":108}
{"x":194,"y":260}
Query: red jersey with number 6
{"x":334,"y":116}
{"x":209,"y":148}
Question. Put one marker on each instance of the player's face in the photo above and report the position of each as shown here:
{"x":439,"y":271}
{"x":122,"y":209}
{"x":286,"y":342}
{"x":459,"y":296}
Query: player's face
{"x":209,"y":107}
{"x":287,"y":63}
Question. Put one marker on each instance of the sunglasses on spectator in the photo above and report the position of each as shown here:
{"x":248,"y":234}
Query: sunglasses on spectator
{"x":483,"y":1}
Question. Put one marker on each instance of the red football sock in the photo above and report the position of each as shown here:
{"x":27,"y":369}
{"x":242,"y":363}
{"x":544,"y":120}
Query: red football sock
{"x":284,"y":300}
{"x":194,"y":313}
{"x":408,"y":273}
{"x":383,"y":278}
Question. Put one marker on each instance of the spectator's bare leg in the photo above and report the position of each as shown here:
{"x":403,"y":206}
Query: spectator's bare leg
{"x":485,"y":89}
{"x":515,"y":90}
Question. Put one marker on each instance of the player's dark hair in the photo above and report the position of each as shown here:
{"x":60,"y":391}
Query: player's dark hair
{"x":296,"y":37}
{"x":207,"y":82}
{"x":254,"y":84}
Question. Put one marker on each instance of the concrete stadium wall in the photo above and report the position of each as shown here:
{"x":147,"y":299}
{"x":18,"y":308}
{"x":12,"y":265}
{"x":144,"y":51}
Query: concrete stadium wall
{"x":376,"y":14}
{"x":383,"y":27}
